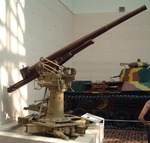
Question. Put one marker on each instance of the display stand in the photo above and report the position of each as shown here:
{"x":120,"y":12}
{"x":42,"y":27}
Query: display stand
{"x":94,"y":133}
{"x":98,"y":124}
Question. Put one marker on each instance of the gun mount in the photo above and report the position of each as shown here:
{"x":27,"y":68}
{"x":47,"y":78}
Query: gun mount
{"x":50,"y":74}
{"x":51,"y":118}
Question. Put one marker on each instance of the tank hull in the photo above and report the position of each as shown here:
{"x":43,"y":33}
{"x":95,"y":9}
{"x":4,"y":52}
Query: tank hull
{"x":118,"y":101}
{"x":119,"y":109}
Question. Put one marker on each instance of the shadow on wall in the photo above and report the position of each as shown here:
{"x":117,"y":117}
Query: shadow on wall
{"x":12,"y":56}
{"x":6,"y":113}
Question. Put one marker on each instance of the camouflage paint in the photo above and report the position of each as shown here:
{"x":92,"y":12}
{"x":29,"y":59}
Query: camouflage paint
{"x":136,"y":77}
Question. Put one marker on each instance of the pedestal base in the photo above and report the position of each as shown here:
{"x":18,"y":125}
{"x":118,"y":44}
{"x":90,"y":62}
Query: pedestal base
{"x":13,"y":133}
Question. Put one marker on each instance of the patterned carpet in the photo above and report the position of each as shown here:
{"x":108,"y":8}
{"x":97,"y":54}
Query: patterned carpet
{"x":124,"y":136}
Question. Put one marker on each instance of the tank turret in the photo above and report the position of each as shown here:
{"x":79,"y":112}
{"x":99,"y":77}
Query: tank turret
{"x":135,"y":77}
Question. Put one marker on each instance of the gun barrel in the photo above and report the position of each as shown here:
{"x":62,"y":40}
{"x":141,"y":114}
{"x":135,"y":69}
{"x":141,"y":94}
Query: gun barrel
{"x":30,"y":73}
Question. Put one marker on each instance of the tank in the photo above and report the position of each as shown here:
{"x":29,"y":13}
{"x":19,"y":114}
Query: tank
{"x":119,"y":100}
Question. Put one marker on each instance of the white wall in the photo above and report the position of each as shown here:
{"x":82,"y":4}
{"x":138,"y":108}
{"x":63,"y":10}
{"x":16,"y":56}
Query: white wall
{"x":124,"y":43}
{"x":29,"y":29}
{"x":70,"y":4}
{"x":99,"y":6}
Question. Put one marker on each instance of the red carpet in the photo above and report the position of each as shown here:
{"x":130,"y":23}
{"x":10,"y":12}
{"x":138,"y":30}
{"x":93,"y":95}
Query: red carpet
{"x":124,"y":136}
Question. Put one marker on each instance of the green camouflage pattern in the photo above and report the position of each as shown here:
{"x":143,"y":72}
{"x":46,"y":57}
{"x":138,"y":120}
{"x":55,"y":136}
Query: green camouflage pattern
{"x":136,"y":77}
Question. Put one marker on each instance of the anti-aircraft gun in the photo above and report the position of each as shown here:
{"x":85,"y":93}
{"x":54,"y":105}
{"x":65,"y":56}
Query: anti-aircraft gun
{"x":50,"y":73}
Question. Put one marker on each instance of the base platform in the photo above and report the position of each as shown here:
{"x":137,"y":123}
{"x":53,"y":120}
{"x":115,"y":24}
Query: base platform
{"x":13,"y":133}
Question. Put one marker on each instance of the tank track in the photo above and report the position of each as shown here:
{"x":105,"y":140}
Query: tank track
{"x":120,"y":110}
